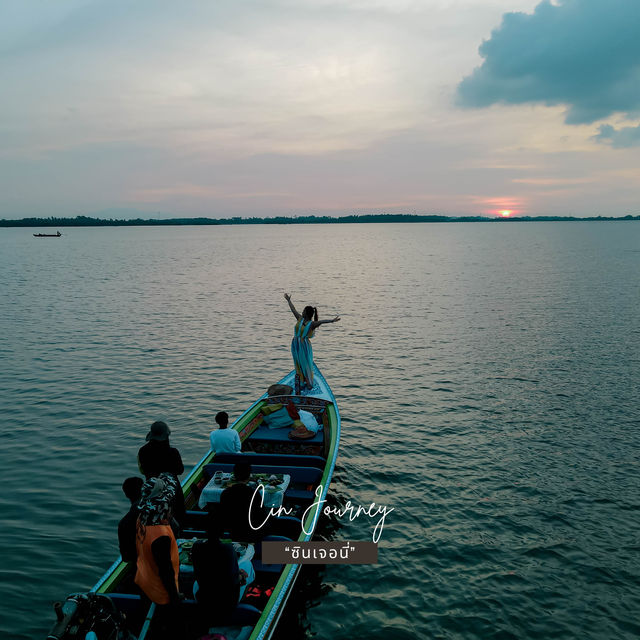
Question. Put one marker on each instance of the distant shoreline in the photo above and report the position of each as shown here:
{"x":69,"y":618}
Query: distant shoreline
{"x":85,"y":221}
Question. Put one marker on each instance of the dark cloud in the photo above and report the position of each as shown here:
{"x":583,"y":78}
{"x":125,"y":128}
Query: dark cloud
{"x":619,"y":138}
{"x":581,"y":53}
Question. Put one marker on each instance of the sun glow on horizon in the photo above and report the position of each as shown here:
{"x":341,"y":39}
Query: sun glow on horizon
{"x":503,"y":207}
{"x":504,"y":213}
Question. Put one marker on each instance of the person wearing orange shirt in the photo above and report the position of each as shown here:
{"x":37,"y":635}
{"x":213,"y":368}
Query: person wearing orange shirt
{"x":158,"y":562}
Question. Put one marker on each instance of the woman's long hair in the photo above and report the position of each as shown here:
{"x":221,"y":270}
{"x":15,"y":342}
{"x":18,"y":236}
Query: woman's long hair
{"x":310,"y":312}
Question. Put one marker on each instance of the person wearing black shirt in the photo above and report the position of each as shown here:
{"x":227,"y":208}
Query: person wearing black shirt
{"x":218,"y":578}
{"x":127,"y":526}
{"x":158,"y":456}
{"x":234,"y":507}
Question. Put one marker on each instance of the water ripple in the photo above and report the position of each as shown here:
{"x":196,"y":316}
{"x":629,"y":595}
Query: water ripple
{"x":486,"y":377}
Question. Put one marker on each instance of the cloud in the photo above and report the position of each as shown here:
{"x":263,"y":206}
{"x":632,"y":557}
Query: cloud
{"x":283,"y":106}
{"x":622,"y":138}
{"x":551,"y":182}
{"x":584,"y":54}
{"x":254,"y":79}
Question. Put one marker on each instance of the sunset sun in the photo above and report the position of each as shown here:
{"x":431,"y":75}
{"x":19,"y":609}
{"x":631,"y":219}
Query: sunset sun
{"x":505,"y":213}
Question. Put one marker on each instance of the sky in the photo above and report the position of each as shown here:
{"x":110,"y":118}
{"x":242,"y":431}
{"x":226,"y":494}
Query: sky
{"x":327,"y":107}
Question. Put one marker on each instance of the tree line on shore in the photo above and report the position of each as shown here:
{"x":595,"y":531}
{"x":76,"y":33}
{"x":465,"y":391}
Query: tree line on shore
{"x":85,"y":221}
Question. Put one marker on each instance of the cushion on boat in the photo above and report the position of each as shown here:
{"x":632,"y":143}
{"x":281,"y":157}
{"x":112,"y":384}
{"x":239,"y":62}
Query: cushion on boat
{"x":264,"y":434}
{"x":309,"y":420}
{"x":270,"y":408}
{"x":278,"y":419}
{"x":279,"y":390}
{"x":301,"y":432}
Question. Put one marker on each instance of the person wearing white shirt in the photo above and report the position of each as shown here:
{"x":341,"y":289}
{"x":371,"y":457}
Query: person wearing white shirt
{"x":225,"y":440}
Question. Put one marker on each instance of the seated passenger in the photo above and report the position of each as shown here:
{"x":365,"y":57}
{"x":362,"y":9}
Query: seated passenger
{"x":127,"y":526}
{"x":220,"y":580}
{"x":234,"y":507}
{"x":224,"y":440}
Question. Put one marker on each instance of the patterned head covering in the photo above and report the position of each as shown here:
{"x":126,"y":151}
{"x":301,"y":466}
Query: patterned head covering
{"x":156,"y":500}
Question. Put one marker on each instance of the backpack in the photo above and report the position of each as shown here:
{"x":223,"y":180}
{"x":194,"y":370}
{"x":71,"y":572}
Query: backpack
{"x":81,"y":613}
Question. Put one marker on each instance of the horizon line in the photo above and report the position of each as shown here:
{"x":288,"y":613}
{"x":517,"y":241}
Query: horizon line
{"x":87,"y":221}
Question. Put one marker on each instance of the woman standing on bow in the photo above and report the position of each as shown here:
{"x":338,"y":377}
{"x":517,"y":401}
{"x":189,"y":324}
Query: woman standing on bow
{"x":301,"y":349}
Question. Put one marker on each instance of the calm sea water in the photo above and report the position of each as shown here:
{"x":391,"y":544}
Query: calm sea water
{"x":487,"y":376}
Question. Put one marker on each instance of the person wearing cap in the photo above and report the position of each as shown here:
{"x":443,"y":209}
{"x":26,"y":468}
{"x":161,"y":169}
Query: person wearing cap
{"x":158,"y":455}
{"x":225,"y":440}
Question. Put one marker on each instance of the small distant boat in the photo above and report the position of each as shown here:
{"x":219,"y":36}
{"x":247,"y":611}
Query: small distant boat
{"x":47,"y":235}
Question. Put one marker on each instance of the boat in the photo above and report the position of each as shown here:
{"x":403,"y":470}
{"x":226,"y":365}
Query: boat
{"x":309,"y":463}
{"x":47,"y":235}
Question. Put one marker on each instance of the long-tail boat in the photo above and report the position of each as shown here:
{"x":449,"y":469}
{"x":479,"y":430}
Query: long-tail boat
{"x":114,"y":608}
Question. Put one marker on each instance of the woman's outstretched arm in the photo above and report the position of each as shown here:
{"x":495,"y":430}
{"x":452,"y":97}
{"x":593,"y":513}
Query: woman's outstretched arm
{"x":287,"y":297}
{"x":316,"y":323}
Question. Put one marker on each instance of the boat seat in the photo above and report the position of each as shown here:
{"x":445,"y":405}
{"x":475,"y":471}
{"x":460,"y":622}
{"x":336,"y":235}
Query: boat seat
{"x":245,"y":615}
{"x":299,"y":475}
{"x":264,"y":434}
{"x":194,"y":524}
{"x":195,"y":520}
{"x":297,"y":495}
{"x":127,"y":603}
{"x":273,"y":459}
{"x":288,"y":526}
{"x":257,"y":559}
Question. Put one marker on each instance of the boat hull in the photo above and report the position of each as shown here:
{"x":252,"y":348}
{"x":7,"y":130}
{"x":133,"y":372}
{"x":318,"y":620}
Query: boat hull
{"x":319,"y":400}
